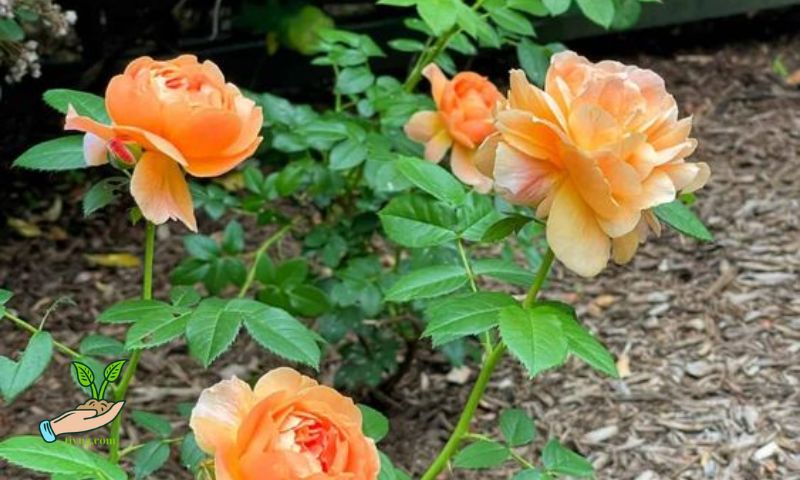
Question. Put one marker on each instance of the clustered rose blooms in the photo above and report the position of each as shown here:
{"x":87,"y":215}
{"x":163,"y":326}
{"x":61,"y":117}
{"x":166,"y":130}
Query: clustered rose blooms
{"x":463,"y":120}
{"x":593,"y":152}
{"x":181,"y":114}
{"x":288,"y":427}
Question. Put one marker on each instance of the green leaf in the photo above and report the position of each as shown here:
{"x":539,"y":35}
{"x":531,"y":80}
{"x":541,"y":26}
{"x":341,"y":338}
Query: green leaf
{"x":427,"y":283}
{"x":112,"y":371}
{"x":503,"y":270}
{"x":191,"y":455}
{"x":462,"y":315}
{"x":517,"y":427}
{"x":582,"y":343}
{"x":600,"y":12}
{"x":398,"y":3}
{"x":58,"y":458}
{"x":308,"y":300}
{"x":291,"y":273}
{"x":233,"y":238}
{"x":211,"y":329}
{"x":432,"y":178}
{"x":87,"y":104}
{"x":512,"y":21}
{"x":5,"y":296}
{"x":65,"y":153}
{"x":102,"y":194}
{"x":407,"y":45}
{"x":482,"y":454}
{"x":152,"y":456}
{"x":416,"y":222}
{"x":505,"y":227}
{"x":529,"y":474}
{"x":374,"y":424}
{"x":16,"y":377}
{"x":128,"y":311}
{"x":353,"y":80}
{"x":152,"y":422}
{"x":101,"y":345}
{"x":534,"y":336}
{"x":557,"y":7}
{"x":201,"y":246}
{"x":10,"y":31}
{"x":154,"y":331}
{"x":533,"y":7}
{"x":560,"y":459}
{"x":279,"y":332}
{"x":348,"y":154}
{"x":534,"y":59}
{"x":84,"y":374}
{"x":437,"y":14}
{"x":626,"y":14}
{"x":681,"y":218}
{"x":183,"y":296}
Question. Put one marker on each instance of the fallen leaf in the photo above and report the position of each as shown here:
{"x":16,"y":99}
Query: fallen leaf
{"x":24,"y":228}
{"x":120,"y":260}
{"x":459,"y":375}
{"x":793,"y":79}
{"x":624,"y":365}
{"x":54,"y":212}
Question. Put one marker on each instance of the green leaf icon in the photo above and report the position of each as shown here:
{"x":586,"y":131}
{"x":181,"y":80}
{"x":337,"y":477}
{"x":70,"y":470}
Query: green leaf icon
{"x":113,"y":370}
{"x":84,"y":374}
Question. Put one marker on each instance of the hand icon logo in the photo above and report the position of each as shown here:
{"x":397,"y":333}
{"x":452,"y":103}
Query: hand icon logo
{"x":93,"y":414}
{"x":79,"y":420}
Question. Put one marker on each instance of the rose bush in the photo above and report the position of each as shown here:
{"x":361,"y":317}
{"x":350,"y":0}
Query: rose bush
{"x":288,"y":427}
{"x":388,"y":248}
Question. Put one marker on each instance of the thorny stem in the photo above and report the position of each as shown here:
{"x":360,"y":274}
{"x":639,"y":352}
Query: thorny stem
{"x":489,"y":363}
{"x":429,"y":54}
{"x":133,"y":362}
{"x":251,"y":274}
{"x":27,"y":326}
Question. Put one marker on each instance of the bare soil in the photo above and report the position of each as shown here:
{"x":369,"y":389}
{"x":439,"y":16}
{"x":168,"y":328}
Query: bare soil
{"x":99,"y":406}
{"x":707,"y":335}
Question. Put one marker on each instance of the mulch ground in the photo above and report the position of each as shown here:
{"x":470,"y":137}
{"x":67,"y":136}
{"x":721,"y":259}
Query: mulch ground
{"x":707,"y":335}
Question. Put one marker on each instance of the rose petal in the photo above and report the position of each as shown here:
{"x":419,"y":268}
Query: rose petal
{"x":161,"y":192}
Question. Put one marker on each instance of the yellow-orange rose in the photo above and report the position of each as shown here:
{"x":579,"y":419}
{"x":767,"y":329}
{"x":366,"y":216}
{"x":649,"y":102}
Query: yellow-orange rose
{"x":463,"y":120}
{"x":182,"y":114}
{"x":594,"y":152}
{"x":287,"y":428}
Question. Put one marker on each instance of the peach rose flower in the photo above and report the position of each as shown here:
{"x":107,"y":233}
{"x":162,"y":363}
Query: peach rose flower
{"x":183,"y":116}
{"x":594,"y":153}
{"x":288,"y":427}
{"x":463,"y":120}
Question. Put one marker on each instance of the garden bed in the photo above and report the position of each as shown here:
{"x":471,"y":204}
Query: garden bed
{"x":708,"y":334}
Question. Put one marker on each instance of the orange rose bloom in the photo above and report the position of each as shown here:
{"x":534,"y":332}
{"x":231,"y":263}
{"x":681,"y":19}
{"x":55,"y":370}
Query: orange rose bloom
{"x":182,"y":114}
{"x":287,"y":428}
{"x":463,"y":121}
{"x":594,"y":153}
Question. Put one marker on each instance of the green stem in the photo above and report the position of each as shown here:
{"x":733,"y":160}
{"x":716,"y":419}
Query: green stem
{"x":94,"y":392}
{"x":467,"y":265}
{"x":462,"y":427}
{"x":27,"y":326}
{"x":489,"y":364}
{"x":538,"y":281}
{"x":147,"y":294}
{"x":251,"y":274}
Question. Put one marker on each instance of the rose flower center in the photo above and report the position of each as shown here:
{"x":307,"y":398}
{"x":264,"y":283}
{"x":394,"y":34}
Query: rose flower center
{"x":311,"y":437}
